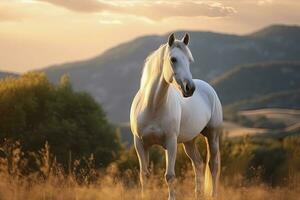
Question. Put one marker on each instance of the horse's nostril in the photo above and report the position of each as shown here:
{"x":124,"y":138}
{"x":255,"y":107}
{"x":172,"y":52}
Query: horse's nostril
{"x":187,"y":87}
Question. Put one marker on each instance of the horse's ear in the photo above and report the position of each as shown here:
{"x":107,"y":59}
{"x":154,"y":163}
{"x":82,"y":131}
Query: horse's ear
{"x":186,"y":39}
{"x":171,"y":39}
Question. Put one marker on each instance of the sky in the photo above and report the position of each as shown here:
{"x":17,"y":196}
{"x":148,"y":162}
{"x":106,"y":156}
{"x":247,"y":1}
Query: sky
{"x":39,"y":33}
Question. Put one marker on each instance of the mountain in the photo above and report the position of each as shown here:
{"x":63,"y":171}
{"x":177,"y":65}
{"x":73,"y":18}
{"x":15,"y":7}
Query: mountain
{"x":278,"y":32}
{"x":113,"y":77}
{"x":274,"y":84}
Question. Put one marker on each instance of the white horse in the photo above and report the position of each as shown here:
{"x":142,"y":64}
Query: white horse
{"x":171,"y":107}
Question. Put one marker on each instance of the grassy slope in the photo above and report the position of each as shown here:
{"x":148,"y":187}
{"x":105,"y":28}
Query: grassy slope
{"x":261,"y":85}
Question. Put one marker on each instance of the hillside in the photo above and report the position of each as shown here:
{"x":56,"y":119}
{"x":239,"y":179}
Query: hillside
{"x":288,"y":116}
{"x":261,"y":85}
{"x":6,"y":74}
{"x":113,"y":77}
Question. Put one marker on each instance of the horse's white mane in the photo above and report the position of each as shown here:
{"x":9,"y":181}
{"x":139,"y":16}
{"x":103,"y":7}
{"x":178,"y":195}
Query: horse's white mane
{"x":154,"y":62}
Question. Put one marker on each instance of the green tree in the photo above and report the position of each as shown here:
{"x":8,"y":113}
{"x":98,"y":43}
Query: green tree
{"x":33,"y":111}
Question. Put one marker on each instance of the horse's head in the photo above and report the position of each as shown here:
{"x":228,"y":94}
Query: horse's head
{"x":176,"y":67}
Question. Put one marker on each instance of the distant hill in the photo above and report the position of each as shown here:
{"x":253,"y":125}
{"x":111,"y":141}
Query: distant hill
{"x":113,"y":77}
{"x":6,"y":74}
{"x":277,"y":32}
{"x":261,"y":85}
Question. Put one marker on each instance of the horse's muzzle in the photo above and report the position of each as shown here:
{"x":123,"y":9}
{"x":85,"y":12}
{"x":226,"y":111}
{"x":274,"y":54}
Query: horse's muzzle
{"x":188,"y":89}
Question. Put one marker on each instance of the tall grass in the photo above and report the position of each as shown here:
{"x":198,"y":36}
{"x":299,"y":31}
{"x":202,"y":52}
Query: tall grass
{"x":81,"y":180}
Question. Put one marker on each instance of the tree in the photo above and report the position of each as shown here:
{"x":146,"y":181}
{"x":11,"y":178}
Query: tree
{"x":33,"y":111}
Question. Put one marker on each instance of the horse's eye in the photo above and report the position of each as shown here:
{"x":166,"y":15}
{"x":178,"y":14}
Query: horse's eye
{"x":173,"y":60}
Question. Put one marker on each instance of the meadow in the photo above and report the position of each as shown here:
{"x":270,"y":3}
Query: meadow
{"x":51,"y":181}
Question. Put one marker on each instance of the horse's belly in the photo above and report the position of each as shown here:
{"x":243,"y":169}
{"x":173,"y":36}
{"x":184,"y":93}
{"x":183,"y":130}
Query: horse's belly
{"x":188,"y":133}
{"x":190,"y":130}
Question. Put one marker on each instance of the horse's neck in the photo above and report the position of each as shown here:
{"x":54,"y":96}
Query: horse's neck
{"x":157,"y":93}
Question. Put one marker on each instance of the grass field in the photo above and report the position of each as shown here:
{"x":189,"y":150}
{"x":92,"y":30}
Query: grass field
{"x":232,"y":129}
{"x":51,"y":182}
{"x":288,"y":116}
{"x":112,"y":189}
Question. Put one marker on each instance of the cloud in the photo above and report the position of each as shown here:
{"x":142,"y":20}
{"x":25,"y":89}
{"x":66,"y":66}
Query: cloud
{"x":163,"y":10}
{"x":263,"y":2}
{"x":110,"y":22}
{"x":154,"y":10}
{"x":80,"y":5}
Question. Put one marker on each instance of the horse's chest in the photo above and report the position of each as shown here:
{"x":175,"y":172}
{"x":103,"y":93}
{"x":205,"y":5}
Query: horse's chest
{"x":154,"y":130}
{"x":153,"y":134}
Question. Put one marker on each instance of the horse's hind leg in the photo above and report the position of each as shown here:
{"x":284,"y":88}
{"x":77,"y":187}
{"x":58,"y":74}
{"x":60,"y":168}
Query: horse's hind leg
{"x":143,"y":156}
{"x":192,"y":152}
{"x":212,"y":139}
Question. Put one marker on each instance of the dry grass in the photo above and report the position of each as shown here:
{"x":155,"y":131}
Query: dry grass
{"x":107,"y":188}
{"x":50,"y":182}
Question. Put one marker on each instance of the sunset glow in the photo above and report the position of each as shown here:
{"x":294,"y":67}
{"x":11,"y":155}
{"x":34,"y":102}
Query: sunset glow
{"x":38,"y":33}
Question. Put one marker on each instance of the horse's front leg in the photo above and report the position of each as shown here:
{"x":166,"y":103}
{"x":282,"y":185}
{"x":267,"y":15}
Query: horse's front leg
{"x":192,"y":152}
{"x":143,"y":156}
{"x":171,"y":150}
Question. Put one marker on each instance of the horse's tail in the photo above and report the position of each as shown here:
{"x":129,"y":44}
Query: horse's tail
{"x":208,"y":186}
